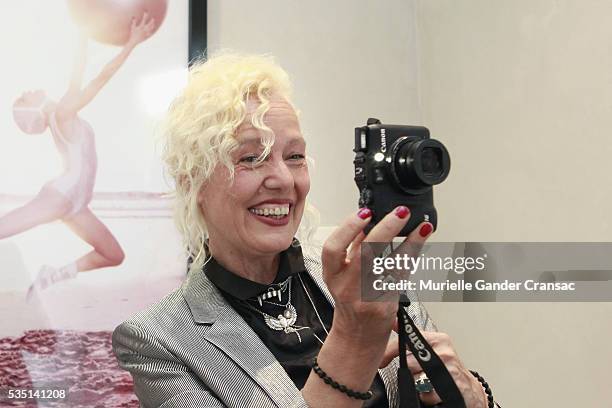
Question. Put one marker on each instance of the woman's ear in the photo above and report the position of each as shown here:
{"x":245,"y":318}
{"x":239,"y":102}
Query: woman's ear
{"x":201,"y":194}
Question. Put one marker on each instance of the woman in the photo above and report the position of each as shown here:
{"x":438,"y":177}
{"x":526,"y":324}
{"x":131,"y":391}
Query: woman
{"x":255,"y":310}
{"x":67,"y":197}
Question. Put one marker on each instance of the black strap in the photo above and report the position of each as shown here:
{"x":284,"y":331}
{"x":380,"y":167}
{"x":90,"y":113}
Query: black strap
{"x":431,"y":363}
{"x":408,"y":396}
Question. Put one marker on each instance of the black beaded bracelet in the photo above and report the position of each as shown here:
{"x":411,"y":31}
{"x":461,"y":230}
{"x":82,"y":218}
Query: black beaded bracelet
{"x":486,"y":387}
{"x":342,"y":388}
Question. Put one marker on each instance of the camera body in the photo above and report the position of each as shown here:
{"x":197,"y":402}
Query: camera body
{"x":398,"y":165}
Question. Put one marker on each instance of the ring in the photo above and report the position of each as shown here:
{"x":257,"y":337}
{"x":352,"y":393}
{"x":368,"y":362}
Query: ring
{"x":422,"y":384}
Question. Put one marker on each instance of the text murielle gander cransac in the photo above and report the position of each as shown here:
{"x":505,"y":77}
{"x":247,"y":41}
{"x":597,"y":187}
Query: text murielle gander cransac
{"x":405,"y":264}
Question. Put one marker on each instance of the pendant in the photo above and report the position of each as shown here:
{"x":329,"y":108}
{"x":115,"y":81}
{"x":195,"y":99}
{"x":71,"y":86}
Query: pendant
{"x":283,"y":321}
{"x":272,"y":292}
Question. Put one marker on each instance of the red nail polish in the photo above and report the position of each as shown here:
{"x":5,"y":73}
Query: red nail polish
{"x":425,"y":230}
{"x":364,"y":213}
{"x":402,"y":212}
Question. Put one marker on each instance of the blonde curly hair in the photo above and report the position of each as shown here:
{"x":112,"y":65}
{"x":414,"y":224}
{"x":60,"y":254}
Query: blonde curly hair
{"x":200,"y":129}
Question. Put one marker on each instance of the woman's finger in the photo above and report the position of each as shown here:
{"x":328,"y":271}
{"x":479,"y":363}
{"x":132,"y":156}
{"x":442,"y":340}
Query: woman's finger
{"x":390,"y":226}
{"x":428,"y":398}
{"x":437,"y":338}
{"x":391,"y":351}
{"x":335,"y":247}
{"x":439,"y":341}
{"x":413,"y":244}
{"x":470,"y":389}
{"x":353,"y":250}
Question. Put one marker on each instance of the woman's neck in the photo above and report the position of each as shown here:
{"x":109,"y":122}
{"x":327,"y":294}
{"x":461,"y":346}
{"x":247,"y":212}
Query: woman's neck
{"x":260,"y":269}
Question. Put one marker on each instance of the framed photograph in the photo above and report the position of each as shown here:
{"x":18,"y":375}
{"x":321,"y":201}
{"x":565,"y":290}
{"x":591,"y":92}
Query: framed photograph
{"x":86,"y":231}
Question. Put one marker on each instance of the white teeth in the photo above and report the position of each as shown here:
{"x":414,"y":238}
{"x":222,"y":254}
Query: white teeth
{"x":271,"y":211}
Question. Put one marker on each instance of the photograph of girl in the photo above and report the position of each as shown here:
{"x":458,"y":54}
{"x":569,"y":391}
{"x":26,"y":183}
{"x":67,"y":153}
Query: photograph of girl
{"x":66,"y":197}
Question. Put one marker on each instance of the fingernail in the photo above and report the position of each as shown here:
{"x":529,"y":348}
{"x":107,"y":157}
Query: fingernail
{"x":364,"y":213}
{"x":425,"y":230}
{"x":402,"y":212}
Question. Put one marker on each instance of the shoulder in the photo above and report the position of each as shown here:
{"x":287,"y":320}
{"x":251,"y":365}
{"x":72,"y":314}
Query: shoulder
{"x":159,"y":347}
{"x":312,"y":261}
{"x":314,"y":267}
{"x":168,"y":308}
{"x":312,"y":256}
{"x":177,"y":316}
{"x":153,"y":323}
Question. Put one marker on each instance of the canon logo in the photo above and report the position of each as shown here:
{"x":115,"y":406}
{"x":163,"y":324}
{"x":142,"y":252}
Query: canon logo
{"x":423,"y":354}
{"x":383,"y":141}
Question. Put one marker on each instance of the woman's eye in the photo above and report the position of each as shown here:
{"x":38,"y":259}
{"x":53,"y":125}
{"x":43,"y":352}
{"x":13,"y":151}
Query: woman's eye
{"x":251,"y":159}
{"x":297,"y":157}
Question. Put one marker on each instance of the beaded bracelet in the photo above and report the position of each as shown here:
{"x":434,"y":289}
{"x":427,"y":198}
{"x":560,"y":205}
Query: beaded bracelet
{"x":342,"y":388}
{"x":486,"y":387}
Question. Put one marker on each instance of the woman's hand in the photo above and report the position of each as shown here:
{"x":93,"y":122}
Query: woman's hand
{"x":354,"y":319}
{"x":471,"y":390}
{"x":360,"y":330}
{"x":141,"y":29}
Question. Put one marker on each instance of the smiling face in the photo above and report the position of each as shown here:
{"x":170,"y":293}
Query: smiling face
{"x":259,"y":212}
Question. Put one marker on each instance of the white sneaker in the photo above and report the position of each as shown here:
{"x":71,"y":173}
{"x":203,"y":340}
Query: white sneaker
{"x":48,"y":275}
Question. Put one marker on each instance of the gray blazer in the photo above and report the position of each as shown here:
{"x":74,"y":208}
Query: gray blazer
{"x":193,"y":350}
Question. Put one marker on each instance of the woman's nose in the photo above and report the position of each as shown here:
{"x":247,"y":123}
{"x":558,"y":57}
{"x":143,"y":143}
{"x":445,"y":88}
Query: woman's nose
{"x":279,"y":176}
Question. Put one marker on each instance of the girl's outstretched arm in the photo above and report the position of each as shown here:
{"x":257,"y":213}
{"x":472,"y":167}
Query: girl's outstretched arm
{"x":72,"y":102}
{"x":76,"y":79}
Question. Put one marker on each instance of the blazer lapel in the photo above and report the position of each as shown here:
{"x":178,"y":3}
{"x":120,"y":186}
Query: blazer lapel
{"x":315,"y":270}
{"x":231,"y":334}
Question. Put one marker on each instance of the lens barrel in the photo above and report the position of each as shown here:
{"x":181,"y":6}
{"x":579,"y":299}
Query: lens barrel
{"x":417,"y":164}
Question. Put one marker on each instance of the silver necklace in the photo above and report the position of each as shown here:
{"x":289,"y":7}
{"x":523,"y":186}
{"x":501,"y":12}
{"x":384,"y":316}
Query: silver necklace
{"x":284,"y":285}
{"x":285,"y":321}
{"x":279,"y":304}
{"x":315,"y":309}
{"x":273,"y":292}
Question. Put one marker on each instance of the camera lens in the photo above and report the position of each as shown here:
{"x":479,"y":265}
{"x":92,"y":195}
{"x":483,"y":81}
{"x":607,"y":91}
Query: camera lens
{"x":418,"y":164}
{"x":431,"y":161}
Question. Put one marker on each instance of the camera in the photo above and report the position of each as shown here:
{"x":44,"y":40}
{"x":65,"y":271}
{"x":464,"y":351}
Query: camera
{"x":398,"y":165}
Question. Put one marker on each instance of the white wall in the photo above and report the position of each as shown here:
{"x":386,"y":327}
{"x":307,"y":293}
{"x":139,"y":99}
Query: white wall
{"x":521,"y":91}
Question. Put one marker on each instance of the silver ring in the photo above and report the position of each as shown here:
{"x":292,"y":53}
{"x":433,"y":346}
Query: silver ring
{"x":422,"y":384}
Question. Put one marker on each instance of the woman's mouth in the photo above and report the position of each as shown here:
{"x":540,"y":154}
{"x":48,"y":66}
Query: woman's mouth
{"x":272,"y":214}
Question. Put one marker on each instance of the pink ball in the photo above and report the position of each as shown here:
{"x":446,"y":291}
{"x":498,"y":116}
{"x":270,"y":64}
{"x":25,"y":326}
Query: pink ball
{"x":109,"y":21}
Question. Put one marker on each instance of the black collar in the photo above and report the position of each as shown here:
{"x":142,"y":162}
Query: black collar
{"x":291,"y":263}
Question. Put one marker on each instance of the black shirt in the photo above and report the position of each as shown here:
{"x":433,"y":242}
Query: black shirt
{"x":296,"y":347}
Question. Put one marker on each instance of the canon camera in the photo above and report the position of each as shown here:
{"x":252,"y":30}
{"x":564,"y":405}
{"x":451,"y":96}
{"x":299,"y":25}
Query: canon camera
{"x":398,"y":165}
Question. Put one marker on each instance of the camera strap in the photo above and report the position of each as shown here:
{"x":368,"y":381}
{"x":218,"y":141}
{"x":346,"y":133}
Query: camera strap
{"x":431,"y":363}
